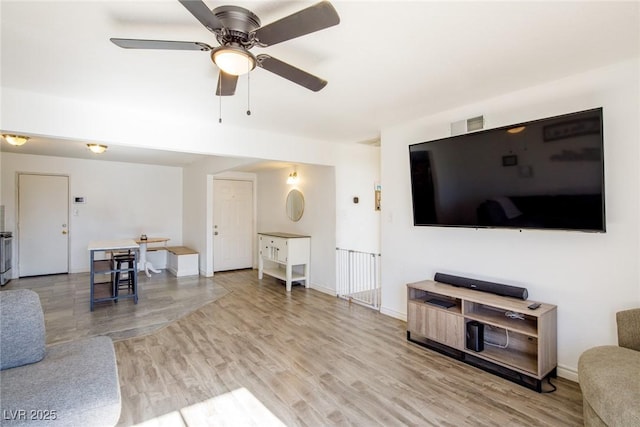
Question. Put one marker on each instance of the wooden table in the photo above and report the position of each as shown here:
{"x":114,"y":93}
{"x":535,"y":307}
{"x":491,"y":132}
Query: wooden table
{"x":144,"y":264}
{"x":103,"y":266}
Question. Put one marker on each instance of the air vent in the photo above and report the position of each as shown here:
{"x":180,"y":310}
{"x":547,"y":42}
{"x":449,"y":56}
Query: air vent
{"x":475,"y":123}
{"x":469,"y":125}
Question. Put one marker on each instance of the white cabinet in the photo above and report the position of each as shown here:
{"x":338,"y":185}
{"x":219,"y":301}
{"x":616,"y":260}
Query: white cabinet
{"x":182,"y":261}
{"x":285,"y":256}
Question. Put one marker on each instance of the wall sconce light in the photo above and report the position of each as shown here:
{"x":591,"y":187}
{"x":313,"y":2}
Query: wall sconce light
{"x":16,"y":140}
{"x":97,"y":148}
{"x":293,"y":178}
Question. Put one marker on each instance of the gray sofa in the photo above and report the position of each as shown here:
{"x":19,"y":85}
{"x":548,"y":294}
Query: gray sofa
{"x":69,"y":384}
{"x":610,"y":377}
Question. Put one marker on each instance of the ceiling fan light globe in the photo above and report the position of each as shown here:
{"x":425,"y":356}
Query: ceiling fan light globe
{"x":233,"y":60}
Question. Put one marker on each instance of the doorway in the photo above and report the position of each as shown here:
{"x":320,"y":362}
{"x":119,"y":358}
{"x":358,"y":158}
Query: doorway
{"x":43,"y":218}
{"x":232,"y":224}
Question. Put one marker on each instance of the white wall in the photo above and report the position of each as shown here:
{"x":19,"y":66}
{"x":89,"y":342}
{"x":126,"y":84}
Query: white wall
{"x":358,"y":225}
{"x":123,"y":200}
{"x":167,"y":201}
{"x":41,"y":114}
{"x":318,"y":185}
{"x":59,"y":117}
{"x":589,"y":276}
{"x":354,"y":226}
{"x":197,"y":203}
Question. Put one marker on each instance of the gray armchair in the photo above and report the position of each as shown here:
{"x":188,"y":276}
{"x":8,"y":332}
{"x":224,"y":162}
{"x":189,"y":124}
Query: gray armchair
{"x":610,"y":377}
{"x":69,"y":384}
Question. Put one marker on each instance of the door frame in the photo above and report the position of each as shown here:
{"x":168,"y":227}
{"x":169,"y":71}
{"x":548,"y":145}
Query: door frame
{"x":16,"y":240}
{"x":236,"y":176}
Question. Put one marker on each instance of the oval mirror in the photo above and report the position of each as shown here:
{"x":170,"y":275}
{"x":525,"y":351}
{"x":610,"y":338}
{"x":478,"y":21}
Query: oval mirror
{"x":295,"y":205}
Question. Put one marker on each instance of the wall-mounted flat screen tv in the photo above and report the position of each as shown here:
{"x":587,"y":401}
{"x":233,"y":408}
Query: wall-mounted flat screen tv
{"x":542,"y":174}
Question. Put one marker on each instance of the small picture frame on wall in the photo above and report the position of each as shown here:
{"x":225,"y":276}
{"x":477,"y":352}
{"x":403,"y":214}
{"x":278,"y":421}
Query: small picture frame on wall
{"x":510,"y":160}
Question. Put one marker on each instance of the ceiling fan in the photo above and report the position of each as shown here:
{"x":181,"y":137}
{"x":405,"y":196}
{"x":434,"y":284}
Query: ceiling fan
{"x":237,"y":30}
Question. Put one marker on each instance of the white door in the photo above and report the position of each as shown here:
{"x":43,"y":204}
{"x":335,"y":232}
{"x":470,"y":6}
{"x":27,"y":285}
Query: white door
{"x":232,"y":224}
{"x":43,"y":219}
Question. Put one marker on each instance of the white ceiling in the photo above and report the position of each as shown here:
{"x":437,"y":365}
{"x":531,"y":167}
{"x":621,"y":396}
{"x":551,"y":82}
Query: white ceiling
{"x":386,"y":62}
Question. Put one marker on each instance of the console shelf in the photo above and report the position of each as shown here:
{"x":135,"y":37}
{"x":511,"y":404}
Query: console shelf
{"x":284,"y":256}
{"x":496,"y":317}
{"x":519,"y":344}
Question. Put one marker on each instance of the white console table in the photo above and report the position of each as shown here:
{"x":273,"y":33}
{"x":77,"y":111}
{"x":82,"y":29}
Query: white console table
{"x":280,"y":254}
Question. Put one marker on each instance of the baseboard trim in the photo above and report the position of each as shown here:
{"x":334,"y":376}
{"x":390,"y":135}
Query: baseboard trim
{"x":323,"y":289}
{"x":393,"y":313}
{"x":568,"y":373}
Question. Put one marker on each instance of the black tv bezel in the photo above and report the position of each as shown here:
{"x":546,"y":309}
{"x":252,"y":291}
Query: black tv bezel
{"x":567,"y":116}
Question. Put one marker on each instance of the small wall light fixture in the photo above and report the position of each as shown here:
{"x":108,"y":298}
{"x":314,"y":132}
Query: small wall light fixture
{"x":16,"y":140}
{"x":97,"y":148}
{"x":293,"y":178}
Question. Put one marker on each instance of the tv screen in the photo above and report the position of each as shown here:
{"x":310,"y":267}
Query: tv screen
{"x":542,"y":174}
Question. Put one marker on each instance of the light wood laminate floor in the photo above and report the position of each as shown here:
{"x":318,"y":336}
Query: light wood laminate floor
{"x":256,"y":355}
{"x":163,"y":298}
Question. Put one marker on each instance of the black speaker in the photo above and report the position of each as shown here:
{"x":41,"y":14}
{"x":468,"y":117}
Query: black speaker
{"x":480,"y":285}
{"x":475,"y":336}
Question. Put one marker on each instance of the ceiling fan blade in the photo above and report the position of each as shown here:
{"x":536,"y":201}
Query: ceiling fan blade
{"x":306,"y":21}
{"x":291,"y":73}
{"x":226,"y":84}
{"x":202,"y":14}
{"x":159,"y":44}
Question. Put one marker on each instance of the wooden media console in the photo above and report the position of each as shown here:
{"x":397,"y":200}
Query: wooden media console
{"x":518,"y":343}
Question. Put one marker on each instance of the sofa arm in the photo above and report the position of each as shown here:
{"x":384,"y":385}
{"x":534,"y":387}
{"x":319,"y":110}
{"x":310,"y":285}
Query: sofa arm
{"x":22,"y":334}
{"x":608,"y":377}
{"x":629,"y":328}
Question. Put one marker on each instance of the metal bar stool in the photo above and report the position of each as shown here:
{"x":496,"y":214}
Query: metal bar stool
{"x":124,"y":266}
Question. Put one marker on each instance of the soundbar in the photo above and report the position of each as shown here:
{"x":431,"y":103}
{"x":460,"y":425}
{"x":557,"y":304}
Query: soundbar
{"x":481,"y":285}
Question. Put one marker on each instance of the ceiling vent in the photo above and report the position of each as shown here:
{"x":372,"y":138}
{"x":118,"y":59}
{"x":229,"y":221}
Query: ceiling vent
{"x":469,"y":125}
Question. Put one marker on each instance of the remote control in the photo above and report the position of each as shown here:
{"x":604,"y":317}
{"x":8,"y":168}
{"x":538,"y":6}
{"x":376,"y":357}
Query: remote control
{"x":534,"y":306}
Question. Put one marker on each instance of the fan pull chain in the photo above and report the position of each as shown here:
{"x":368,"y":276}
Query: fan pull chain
{"x":248,"y":94}
{"x":220,"y":96}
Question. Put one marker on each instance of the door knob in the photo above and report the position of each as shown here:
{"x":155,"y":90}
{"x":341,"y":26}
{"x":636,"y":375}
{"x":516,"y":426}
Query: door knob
{"x":64,"y":231}
{"x":215,"y":234}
